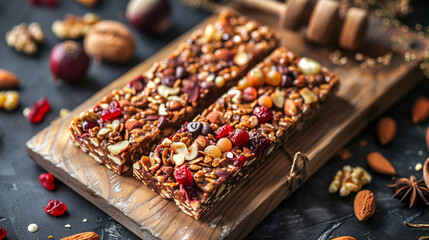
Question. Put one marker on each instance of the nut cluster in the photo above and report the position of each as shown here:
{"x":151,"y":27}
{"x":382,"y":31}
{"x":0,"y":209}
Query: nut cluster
{"x":74,"y":27}
{"x":9,"y":100}
{"x":176,"y":88}
{"x":349,"y":180}
{"x":25,"y":38}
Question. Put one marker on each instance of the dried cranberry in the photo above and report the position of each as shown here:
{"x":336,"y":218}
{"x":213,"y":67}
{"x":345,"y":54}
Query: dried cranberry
{"x":239,"y":137}
{"x":263,"y":114}
{"x":191,"y":89}
{"x":34,"y":2}
{"x":237,"y":161}
{"x":191,"y":192}
{"x":258,"y":143}
{"x":55,"y":208}
{"x":38,"y":111}
{"x":87,"y":125}
{"x":194,"y":127}
{"x":3,"y":233}
{"x":223,"y":131}
{"x":183,"y":128}
{"x":206,"y":130}
{"x":51,"y":3}
{"x":163,"y":123}
{"x":183,"y":175}
{"x":113,"y":111}
{"x":47,"y":181}
{"x":138,"y":83}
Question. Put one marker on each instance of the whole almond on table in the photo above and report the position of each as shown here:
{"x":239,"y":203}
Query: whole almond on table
{"x":377,"y":162}
{"x":8,"y":80}
{"x":344,"y":238}
{"x":420,"y":110}
{"x":426,"y":172}
{"x":427,"y":137}
{"x":364,"y":205}
{"x":83,"y":236}
{"x":386,"y":130}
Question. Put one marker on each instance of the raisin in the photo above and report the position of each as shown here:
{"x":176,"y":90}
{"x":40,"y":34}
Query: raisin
{"x":55,"y":208}
{"x":258,"y":143}
{"x":206,"y":130}
{"x":87,"y":125}
{"x":47,"y":181}
{"x":163,"y":123}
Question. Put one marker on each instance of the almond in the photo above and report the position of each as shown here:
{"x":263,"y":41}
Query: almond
{"x":426,"y":172}
{"x":380,"y":164}
{"x":83,"y":236}
{"x":386,"y":130}
{"x":427,"y":137}
{"x":344,"y":238}
{"x":420,"y":110}
{"x":364,"y":205}
{"x":130,"y":124}
{"x":215,"y":117}
{"x":8,"y":80}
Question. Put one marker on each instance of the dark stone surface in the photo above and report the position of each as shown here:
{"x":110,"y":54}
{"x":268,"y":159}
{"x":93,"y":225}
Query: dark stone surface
{"x":308,"y":214}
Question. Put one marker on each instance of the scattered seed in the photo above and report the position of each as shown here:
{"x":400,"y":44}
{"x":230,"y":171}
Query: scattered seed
{"x":51,"y":237}
{"x":420,"y":152}
{"x":67,"y":226}
{"x":418,"y":167}
{"x":345,"y":154}
{"x":33,"y":227}
{"x":363,"y":143}
{"x":84,"y":220}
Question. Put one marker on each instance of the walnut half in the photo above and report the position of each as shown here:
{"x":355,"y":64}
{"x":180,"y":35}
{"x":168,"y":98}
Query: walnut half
{"x":349,"y":179}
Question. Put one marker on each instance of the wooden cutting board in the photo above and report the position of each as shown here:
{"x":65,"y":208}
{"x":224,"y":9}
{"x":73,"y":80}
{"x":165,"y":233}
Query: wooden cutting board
{"x":364,"y":94}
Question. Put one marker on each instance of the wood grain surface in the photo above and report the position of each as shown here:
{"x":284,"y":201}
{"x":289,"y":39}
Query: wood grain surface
{"x":363,"y":95}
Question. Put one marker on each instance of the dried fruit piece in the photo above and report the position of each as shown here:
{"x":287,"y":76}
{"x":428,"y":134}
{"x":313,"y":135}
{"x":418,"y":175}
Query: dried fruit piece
{"x":344,"y":238}
{"x":83,"y":236}
{"x":256,"y":77}
{"x":263,"y":114}
{"x":8,"y":80}
{"x":364,"y":205}
{"x":258,"y":143}
{"x":380,"y":164}
{"x":112,"y":112}
{"x":224,"y":144}
{"x":55,"y":208}
{"x":213,"y":151}
{"x":183,"y":175}
{"x":420,"y":110}
{"x":386,"y":130}
{"x":237,"y":162}
{"x":3,"y":233}
{"x":348,"y":180}
{"x":239,"y":137}
{"x":426,"y":172}
{"x":309,"y":66}
{"x":37,"y":112}
{"x":9,"y":100}
{"x":47,"y":181}
{"x":223,"y":131}
{"x":249,"y":94}
{"x":265,"y":101}
{"x":88,"y":3}
{"x":274,"y":78}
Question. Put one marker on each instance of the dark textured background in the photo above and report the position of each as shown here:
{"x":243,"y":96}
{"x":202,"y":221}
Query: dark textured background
{"x":311,"y":213}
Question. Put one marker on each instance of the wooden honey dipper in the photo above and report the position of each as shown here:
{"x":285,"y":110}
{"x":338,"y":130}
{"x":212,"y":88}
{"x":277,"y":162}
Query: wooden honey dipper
{"x":326,"y":20}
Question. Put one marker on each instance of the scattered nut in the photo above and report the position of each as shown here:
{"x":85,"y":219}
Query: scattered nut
{"x":386,"y":130}
{"x":74,"y":27}
{"x":418,"y":167}
{"x":420,"y":110}
{"x":215,"y":117}
{"x":345,"y":154}
{"x":8,"y":80}
{"x":309,"y":66}
{"x":83,"y":236}
{"x":348,"y":180}
{"x":110,"y":40}
{"x":119,"y":147}
{"x":241,"y":58}
{"x":380,"y":164}
{"x":344,"y":238}
{"x":33,"y":227}
{"x":130,"y":124}
{"x":308,"y":96}
{"x":9,"y":100}
{"x":364,"y":205}
{"x":25,"y":38}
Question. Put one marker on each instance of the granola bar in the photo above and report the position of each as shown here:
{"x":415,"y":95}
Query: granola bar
{"x":206,"y":158}
{"x":130,"y":121}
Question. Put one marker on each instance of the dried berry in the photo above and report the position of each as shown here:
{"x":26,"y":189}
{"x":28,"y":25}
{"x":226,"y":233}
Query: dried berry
{"x":257,"y":142}
{"x":183,"y":175}
{"x":237,"y":161}
{"x":38,"y":111}
{"x":183,"y":128}
{"x":239,"y":137}
{"x":223,"y":131}
{"x":191,"y":192}
{"x":138,"y":84}
{"x":256,"y":77}
{"x":206,"y":129}
{"x":47,"y":181}
{"x":87,"y":125}
{"x":163,"y":123}
{"x":3,"y":233}
{"x":263,"y":114}
{"x":55,"y":208}
{"x":112,"y":112}
{"x":249,"y":94}
{"x":194,"y":127}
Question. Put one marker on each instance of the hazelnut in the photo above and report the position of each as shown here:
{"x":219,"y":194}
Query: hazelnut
{"x":110,"y":40}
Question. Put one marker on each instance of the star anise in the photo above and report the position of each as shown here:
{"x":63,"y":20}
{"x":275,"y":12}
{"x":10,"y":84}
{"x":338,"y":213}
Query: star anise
{"x":410,"y":188}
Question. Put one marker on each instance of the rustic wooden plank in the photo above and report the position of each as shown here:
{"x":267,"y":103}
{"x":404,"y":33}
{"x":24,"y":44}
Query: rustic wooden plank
{"x":363,"y":95}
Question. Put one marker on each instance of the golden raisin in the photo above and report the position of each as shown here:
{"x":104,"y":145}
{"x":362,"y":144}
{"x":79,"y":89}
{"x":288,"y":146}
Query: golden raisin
{"x":213,"y":151}
{"x":274,"y":78}
{"x":224,"y":144}
{"x":266,"y":101}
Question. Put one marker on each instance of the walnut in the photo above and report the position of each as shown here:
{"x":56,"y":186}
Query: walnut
{"x":25,"y":38}
{"x":349,"y":180}
{"x":74,"y":27}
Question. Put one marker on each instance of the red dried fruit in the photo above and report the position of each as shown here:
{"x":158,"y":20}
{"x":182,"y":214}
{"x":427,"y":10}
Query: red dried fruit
{"x":191,"y":192}
{"x":47,"y":181}
{"x":37,"y":112}
{"x":258,"y":143}
{"x":191,"y":89}
{"x":249,"y":94}
{"x":87,"y":125}
{"x":237,"y":161}
{"x":223,"y":131}
{"x":183,"y":176}
{"x":113,"y":111}
{"x":55,"y":208}
{"x":183,"y":128}
{"x":263,"y":114}
{"x":239,"y":137}
{"x":51,"y":3}
{"x":3,"y":233}
{"x":138,"y":83}
{"x":35,"y":2}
